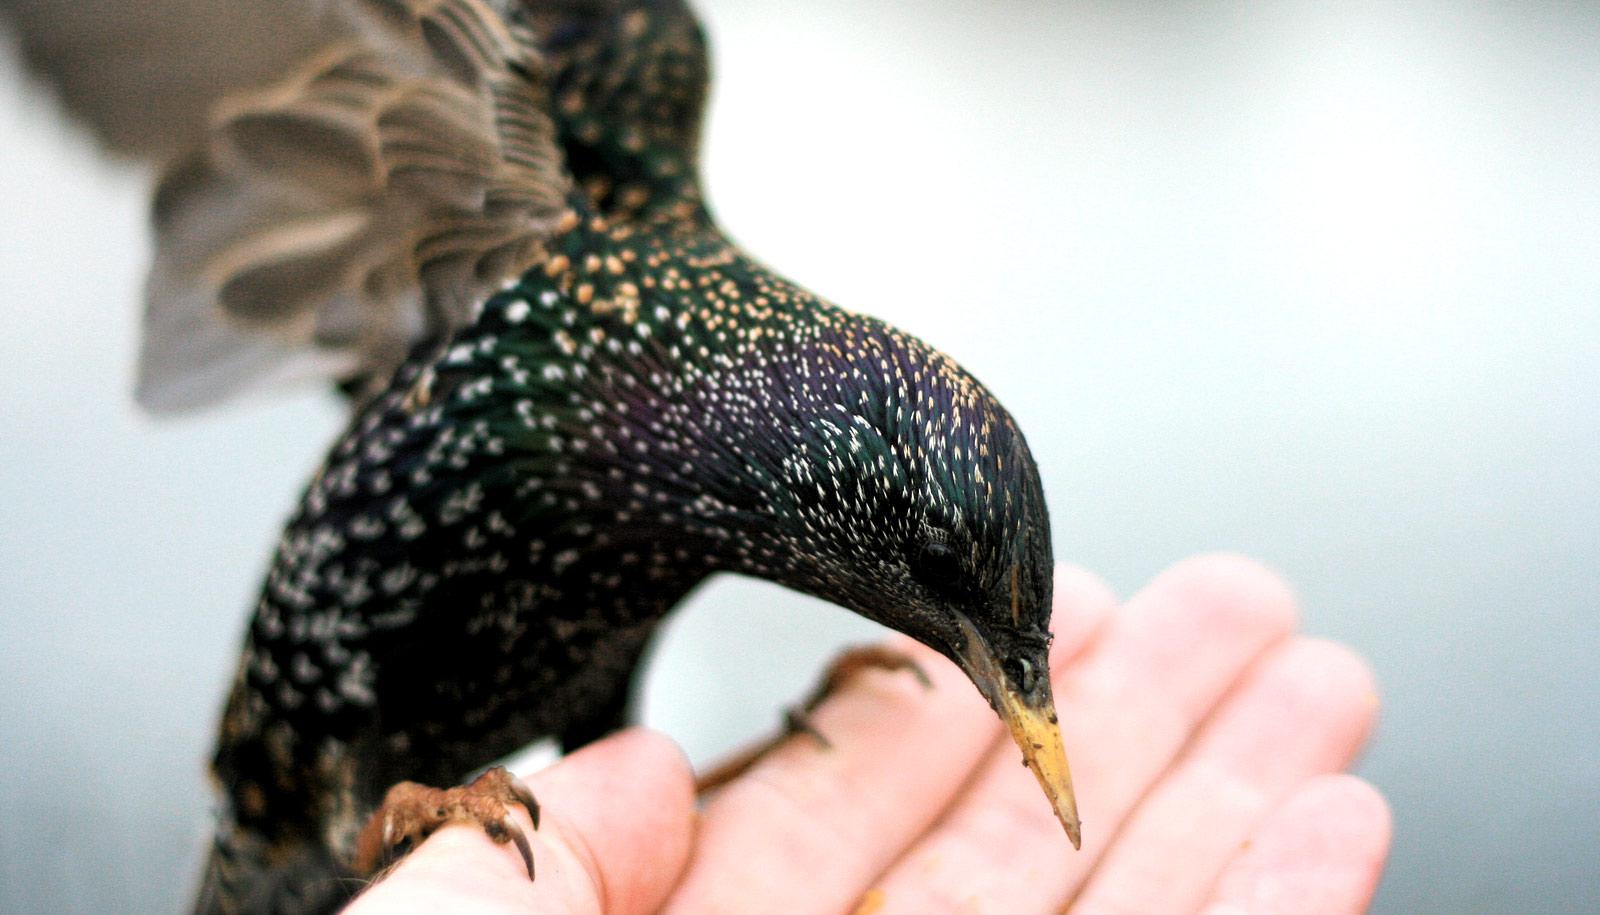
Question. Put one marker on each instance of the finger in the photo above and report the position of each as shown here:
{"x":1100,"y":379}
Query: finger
{"x":1303,"y":711}
{"x":1319,"y":852}
{"x":1127,"y":708}
{"x":614,"y":835}
{"x":1083,"y":605}
{"x":807,"y":828}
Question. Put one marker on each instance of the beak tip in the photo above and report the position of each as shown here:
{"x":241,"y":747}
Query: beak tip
{"x":1067,"y":813}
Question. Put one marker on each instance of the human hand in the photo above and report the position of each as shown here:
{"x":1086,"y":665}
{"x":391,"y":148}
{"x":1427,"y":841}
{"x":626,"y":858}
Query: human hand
{"x":1203,"y":735}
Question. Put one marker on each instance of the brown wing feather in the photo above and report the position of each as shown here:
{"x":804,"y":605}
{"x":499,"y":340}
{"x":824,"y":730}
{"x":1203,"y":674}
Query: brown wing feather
{"x":144,"y":73}
{"x":365,"y":202}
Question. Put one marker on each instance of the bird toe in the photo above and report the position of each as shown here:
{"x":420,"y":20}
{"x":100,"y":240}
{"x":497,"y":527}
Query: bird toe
{"x":411,"y":812}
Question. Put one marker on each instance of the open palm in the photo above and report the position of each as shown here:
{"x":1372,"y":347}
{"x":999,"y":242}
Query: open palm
{"x":1205,"y":739}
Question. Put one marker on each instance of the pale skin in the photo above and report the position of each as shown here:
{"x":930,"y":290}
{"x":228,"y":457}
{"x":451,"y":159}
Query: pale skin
{"x":1206,"y":738}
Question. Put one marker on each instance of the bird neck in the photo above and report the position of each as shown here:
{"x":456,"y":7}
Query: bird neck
{"x":642,"y":384}
{"x":628,"y":91}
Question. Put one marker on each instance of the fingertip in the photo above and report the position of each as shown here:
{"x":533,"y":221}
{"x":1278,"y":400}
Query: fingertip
{"x":1234,"y":587}
{"x":672,"y":777}
{"x":625,"y":807}
{"x":1334,"y":669}
{"x":1079,"y":589}
{"x":1082,"y":603}
{"x":1364,"y":819}
{"x":1313,"y":695}
{"x":1321,"y":849}
{"x":655,"y":753}
{"x":1336,"y":826}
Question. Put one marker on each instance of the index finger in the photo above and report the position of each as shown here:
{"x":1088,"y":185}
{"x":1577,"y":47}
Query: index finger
{"x":616,"y":823}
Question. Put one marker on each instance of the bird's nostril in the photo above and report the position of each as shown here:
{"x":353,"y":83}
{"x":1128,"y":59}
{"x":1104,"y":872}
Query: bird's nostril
{"x":1020,"y":672}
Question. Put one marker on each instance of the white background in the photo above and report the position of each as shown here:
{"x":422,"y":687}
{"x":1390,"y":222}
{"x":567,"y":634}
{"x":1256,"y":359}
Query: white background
{"x":1314,"y":282}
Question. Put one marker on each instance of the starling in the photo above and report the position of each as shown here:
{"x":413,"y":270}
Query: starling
{"x":576,"y":399}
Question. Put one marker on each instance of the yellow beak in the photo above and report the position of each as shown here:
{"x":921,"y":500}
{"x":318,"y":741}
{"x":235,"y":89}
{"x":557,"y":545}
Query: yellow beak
{"x":1032,"y":722}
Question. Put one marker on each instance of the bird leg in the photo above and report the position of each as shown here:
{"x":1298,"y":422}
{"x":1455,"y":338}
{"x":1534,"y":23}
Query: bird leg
{"x":797,"y":720}
{"x":412,"y":812}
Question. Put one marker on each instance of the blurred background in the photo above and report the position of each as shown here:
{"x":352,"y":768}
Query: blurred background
{"x":1313,"y":282}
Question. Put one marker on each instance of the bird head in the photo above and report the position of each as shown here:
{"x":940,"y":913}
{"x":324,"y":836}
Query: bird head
{"x":885,"y":478}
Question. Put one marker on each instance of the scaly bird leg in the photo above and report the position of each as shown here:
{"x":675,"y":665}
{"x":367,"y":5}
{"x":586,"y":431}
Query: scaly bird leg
{"x":796,"y":720}
{"x":412,"y":812}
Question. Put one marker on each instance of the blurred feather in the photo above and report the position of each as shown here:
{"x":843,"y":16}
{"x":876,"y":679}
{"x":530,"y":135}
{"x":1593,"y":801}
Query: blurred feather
{"x":344,"y":182}
{"x":144,"y":73}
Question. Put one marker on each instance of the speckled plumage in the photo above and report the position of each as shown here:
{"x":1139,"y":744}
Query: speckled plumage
{"x":490,"y":545}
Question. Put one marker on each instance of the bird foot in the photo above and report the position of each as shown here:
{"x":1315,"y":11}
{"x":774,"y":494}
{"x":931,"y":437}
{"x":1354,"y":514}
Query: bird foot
{"x":854,"y":661}
{"x":412,"y":812}
{"x":797,"y":720}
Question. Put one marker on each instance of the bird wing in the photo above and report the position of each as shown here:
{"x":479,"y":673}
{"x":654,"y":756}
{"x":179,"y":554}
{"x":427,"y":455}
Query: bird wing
{"x":144,"y":73}
{"x":326,"y":220}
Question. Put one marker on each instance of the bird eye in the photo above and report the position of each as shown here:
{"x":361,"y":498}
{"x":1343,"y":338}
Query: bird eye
{"x":1020,"y":672}
{"x":935,"y":564}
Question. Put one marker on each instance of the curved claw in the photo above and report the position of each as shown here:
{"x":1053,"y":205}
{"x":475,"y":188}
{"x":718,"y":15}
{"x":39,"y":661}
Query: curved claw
{"x":412,"y":812}
{"x":523,"y":796}
{"x":521,"y":841}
